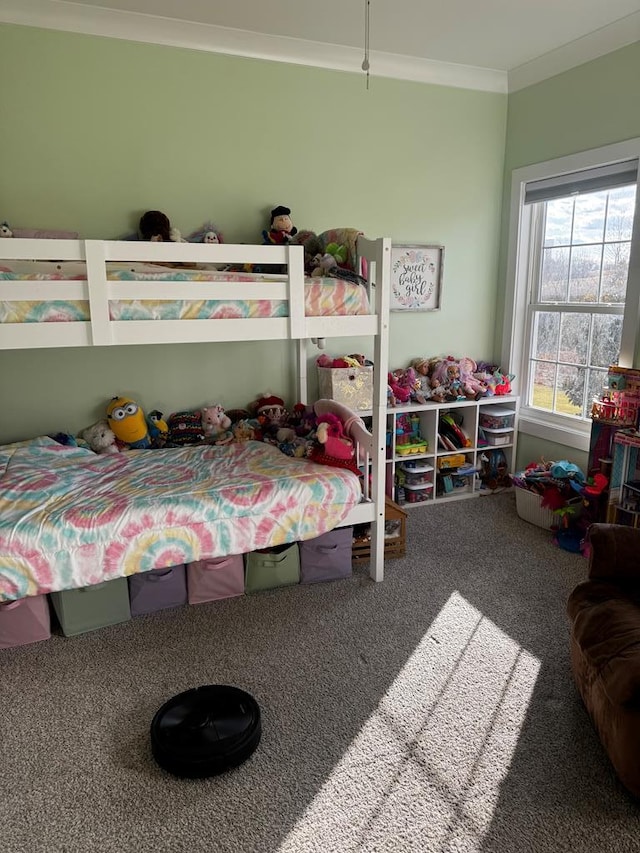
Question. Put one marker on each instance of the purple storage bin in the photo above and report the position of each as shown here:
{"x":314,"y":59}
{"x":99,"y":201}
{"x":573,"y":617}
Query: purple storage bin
{"x":328,"y":557}
{"x":26,"y":620}
{"x":209,"y":580}
{"x":157,"y":590}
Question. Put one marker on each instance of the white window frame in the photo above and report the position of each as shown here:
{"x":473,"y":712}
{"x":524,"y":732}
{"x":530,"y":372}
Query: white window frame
{"x":563,"y":429}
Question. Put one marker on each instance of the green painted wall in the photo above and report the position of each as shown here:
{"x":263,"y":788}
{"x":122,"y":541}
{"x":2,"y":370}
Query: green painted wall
{"x":595,"y":104}
{"x":94,"y":131}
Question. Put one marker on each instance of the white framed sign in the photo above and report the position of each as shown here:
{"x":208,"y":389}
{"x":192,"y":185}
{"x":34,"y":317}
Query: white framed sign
{"x":416,"y":277}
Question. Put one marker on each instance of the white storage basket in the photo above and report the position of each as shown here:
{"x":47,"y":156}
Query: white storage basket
{"x":528,"y":507}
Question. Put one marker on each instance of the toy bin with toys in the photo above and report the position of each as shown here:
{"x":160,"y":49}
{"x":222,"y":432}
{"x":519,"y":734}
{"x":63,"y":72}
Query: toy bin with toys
{"x":347,"y":380}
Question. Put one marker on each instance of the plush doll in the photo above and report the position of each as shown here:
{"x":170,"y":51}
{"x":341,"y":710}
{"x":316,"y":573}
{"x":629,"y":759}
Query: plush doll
{"x":158,"y":428}
{"x":5,"y":231}
{"x":216,"y":425}
{"x":281,"y":228}
{"x":185,"y":428}
{"x":322,"y":265}
{"x":127,"y":420}
{"x":207,"y":233}
{"x":503,"y":383}
{"x":332,"y":446}
{"x":155,"y":227}
{"x":472,"y":386}
{"x":100,"y":438}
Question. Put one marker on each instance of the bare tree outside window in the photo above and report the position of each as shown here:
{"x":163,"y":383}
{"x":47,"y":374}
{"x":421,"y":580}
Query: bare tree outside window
{"x":584,"y":261}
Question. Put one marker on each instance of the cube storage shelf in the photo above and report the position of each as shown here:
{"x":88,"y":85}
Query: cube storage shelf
{"x":437,"y":473}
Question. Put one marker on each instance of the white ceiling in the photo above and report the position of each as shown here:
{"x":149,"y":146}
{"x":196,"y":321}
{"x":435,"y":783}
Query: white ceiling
{"x":524,"y":40}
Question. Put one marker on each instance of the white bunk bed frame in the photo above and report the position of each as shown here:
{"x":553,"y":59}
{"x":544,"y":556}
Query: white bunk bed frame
{"x":100,"y":330}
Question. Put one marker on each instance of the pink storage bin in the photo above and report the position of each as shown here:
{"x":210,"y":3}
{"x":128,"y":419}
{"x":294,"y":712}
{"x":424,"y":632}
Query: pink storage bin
{"x":210,"y":580}
{"x":26,"y":620}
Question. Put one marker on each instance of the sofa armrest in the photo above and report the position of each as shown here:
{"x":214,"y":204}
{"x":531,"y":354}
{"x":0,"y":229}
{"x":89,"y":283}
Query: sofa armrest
{"x":615,"y":552}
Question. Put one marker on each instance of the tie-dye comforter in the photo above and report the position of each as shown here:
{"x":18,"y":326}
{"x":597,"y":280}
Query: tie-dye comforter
{"x":324,"y":297}
{"x":70,"y":518}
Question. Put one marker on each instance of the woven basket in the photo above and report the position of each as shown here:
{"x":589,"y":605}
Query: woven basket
{"x":528,"y":506}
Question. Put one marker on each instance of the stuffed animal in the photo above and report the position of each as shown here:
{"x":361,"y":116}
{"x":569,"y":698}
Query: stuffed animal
{"x":185,"y":428}
{"x":281,"y":228}
{"x":155,"y":227}
{"x":100,"y":438}
{"x":5,"y":231}
{"x":127,"y":420}
{"x":322,"y":265}
{"x":158,"y":428}
{"x":207,"y":233}
{"x":332,"y":446}
{"x":331,"y":434}
{"x":216,"y":425}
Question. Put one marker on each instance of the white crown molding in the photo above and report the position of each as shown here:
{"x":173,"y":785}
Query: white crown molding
{"x":132,"y":26}
{"x":598,"y":43}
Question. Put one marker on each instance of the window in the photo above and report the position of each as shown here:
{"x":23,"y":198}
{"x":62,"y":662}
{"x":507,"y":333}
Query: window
{"x":573,"y":285}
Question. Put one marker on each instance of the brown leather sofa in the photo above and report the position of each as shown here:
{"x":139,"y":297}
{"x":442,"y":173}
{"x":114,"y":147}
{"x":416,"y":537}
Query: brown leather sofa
{"x":605,"y":645}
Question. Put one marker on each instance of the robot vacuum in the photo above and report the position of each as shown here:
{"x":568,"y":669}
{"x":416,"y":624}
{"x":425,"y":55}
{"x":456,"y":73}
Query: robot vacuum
{"x":205,"y":731}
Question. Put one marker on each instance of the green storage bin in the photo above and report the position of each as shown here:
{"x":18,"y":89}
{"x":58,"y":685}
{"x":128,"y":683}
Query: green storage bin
{"x":92,"y":607}
{"x":272,"y":567}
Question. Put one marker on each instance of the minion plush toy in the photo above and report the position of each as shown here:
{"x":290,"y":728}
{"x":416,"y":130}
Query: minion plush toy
{"x":128,"y":423}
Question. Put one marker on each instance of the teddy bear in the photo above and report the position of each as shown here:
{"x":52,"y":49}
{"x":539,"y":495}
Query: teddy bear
{"x":100,"y":438}
{"x":216,"y":424}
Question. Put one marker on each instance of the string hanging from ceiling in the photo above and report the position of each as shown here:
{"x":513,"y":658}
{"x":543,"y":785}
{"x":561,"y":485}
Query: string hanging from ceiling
{"x":365,"y":62}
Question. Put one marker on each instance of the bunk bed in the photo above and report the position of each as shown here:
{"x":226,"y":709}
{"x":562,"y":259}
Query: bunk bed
{"x":83,"y":293}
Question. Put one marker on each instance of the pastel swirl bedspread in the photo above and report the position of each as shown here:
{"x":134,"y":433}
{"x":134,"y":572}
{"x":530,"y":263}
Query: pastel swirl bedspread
{"x":70,"y":518}
{"x":323,"y":296}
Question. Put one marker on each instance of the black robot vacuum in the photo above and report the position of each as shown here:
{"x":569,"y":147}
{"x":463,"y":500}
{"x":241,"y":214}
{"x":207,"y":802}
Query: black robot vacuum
{"x":205,"y":731}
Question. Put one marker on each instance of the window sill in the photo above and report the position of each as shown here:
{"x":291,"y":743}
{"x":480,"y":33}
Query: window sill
{"x":577,"y":436}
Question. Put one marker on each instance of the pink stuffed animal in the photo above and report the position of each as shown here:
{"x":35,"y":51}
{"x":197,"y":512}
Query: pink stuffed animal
{"x":216,"y":424}
{"x":330,"y":433}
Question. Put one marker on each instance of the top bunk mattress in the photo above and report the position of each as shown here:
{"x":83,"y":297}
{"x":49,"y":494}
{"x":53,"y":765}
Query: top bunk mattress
{"x":324,"y":297}
{"x":70,"y":518}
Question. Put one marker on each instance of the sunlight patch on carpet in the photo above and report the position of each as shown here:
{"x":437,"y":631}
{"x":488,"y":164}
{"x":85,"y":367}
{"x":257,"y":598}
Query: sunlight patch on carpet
{"x":425,"y":770}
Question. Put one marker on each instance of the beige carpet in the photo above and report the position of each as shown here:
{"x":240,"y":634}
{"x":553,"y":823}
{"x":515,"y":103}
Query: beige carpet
{"x":433,"y":712}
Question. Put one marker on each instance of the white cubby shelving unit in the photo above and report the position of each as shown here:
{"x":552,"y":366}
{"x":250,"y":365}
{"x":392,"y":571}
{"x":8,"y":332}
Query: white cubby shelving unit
{"x":437,"y":473}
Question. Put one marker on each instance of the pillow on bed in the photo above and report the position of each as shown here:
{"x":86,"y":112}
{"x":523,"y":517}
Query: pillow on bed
{"x":44,"y":234}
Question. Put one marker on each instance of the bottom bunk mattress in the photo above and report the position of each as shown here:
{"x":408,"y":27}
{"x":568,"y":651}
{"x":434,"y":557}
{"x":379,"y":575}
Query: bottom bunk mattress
{"x":70,"y":518}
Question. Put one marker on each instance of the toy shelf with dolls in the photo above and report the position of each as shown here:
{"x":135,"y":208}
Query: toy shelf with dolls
{"x":450,"y":450}
{"x":445,"y":439}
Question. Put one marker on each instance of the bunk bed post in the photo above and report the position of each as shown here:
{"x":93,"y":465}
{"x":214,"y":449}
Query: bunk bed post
{"x":302,"y":379}
{"x":379,"y":426}
{"x":98,"y":292}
